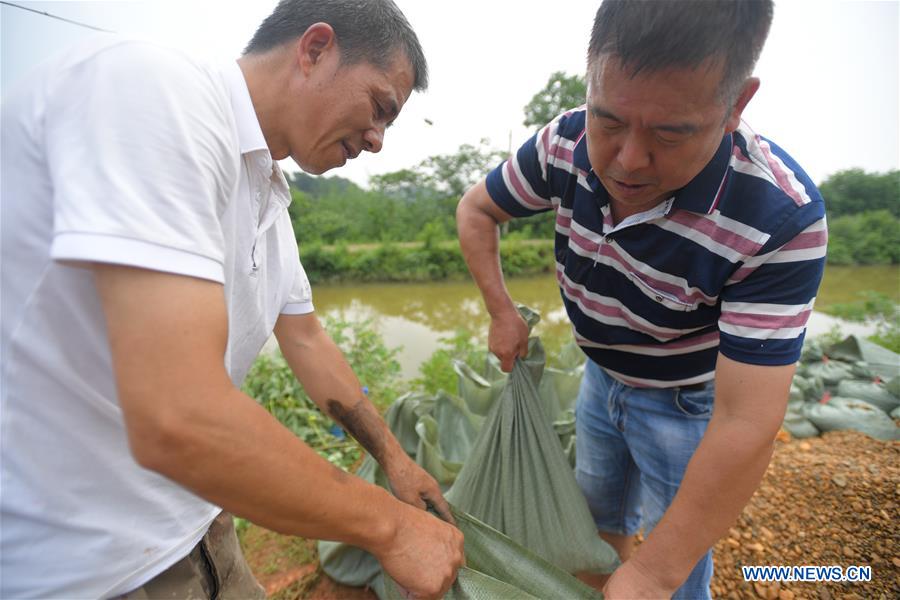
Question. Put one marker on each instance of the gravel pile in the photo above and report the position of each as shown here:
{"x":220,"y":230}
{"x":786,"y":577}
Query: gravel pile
{"x":831,"y":500}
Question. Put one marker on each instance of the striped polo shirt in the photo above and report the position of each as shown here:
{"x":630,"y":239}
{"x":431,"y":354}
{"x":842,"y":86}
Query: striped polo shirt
{"x":730,"y":263}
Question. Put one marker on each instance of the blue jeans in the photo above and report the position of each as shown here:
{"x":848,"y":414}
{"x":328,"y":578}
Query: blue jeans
{"x":632,"y":448}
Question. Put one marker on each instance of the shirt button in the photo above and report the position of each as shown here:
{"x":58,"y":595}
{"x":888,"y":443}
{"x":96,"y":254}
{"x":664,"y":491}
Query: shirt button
{"x":262,"y":161}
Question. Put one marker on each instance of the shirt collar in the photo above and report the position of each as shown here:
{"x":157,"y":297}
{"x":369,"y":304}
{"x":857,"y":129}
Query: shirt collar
{"x":250,"y":135}
{"x":702,"y":193}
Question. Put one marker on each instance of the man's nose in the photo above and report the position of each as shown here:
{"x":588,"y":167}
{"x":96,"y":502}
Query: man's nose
{"x":633,"y":154}
{"x":373,"y":139}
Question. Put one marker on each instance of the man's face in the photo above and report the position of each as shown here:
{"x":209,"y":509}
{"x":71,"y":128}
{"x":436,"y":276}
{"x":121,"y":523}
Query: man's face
{"x":348,"y":111}
{"x":651,"y":134}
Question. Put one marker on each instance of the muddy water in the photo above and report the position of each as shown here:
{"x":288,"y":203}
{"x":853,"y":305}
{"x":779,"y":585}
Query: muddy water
{"x":416,"y":316}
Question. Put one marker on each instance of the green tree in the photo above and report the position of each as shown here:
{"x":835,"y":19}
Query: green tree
{"x":441,"y":175}
{"x":854,"y":191}
{"x":561,"y":93}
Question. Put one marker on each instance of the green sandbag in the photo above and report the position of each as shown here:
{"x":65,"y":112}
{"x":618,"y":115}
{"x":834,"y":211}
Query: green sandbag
{"x":492,"y":370}
{"x":566,"y":384}
{"x":480,"y":394}
{"x":871,"y":392}
{"x":796,"y":424}
{"x":571,"y":357}
{"x":893,"y":386}
{"x":403,"y":415}
{"x":840,"y":414}
{"x":497,"y":568}
{"x":565,"y":430}
{"x":812,"y":350}
{"x":519,"y":481}
{"x":895,"y":414}
{"x":458,"y":426}
{"x":796,"y":393}
{"x":831,"y":372}
{"x":879,"y":360}
{"x":812,"y":387}
{"x":431,"y":456}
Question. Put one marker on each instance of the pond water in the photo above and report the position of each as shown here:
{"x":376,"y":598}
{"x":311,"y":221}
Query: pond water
{"x":416,"y":316}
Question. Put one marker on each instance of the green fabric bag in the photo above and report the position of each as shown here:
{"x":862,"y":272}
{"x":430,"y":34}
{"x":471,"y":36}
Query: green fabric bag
{"x":871,"y":392}
{"x":879,"y":360}
{"x":519,"y":481}
{"x":497,"y":568}
{"x":840,"y":414}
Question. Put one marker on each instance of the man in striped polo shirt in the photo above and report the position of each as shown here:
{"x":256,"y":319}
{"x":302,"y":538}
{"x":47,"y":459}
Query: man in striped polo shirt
{"x":688,"y":253}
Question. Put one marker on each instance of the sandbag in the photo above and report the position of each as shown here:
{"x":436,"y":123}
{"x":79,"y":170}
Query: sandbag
{"x":871,"y":392}
{"x":840,"y":414}
{"x":893,"y":386}
{"x":518,"y":479}
{"x":478,"y":391}
{"x":831,"y":372}
{"x":879,"y":360}
{"x":796,"y":423}
{"x":402,"y":416}
{"x":812,"y":387}
{"x":895,"y":414}
{"x":497,"y":568}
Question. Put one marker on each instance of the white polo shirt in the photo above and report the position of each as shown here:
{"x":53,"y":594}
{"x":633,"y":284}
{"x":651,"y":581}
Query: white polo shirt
{"x":119,"y":152}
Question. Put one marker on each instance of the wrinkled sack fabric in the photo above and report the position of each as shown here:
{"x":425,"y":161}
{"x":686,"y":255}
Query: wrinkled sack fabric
{"x":518,"y":478}
{"x":853,"y":385}
{"x":531,"y":415}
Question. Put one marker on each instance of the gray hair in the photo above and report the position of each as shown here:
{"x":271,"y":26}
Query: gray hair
{"x":651,"y":35}
{"x":366,"y":31}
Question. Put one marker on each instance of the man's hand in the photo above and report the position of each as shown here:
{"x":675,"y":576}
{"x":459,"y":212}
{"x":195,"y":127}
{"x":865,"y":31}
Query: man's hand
{"x":413,"y":485}
{"x":424,"y":554}
{"x":508,"y":338}
{"x":632,"y":581}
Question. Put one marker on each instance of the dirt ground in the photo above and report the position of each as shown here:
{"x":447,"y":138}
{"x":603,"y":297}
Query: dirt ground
{"x":833,"y":500}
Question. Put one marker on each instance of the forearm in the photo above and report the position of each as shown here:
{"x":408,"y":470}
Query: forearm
{"x":721,"y":477}
{"x":230,"y":451}
{"x":330,"y":382}
{"x":479,"y":239}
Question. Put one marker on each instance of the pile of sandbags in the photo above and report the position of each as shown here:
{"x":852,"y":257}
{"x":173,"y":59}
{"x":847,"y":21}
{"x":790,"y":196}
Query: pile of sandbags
{"x":854,"y":384}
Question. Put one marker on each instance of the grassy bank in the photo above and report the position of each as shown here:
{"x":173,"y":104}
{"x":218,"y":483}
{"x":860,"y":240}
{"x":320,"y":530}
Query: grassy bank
{"x":425,"y":261}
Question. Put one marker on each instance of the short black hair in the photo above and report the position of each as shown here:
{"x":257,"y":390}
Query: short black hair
{"x":650,"y":35}
{"x":366,"y":31}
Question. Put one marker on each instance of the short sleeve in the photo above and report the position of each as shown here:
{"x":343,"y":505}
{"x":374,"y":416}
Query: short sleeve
{"x":520,"y":185}
{"x":768,"y":301}
{"x":142,"y":156}
{"x":299,"y":300}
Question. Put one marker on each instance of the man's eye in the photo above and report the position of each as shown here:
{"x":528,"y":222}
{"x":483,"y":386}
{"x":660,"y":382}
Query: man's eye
{"x":671,"y":139}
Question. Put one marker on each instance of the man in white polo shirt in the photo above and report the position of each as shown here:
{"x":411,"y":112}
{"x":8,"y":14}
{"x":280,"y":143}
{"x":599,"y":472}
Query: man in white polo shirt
{"x":147,"y":256}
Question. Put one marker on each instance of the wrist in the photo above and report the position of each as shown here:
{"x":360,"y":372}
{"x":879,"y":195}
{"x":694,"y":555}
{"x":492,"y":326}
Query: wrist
{"x":385,"y":520}
{"x":502,"y":308}
{"x":658,"y":576}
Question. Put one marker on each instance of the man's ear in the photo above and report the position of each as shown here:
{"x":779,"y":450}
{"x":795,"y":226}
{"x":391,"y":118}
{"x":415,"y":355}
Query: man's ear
{"x":749,"y":88}
{"x":313,"y":45}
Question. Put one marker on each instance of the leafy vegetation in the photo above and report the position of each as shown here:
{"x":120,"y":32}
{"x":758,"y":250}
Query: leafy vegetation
{"x":437,"y":372}
{"x":855,"y":191}
{"x":271,"y":382}
{"x":863,"y":217}
{"x":876,"y":308}
{"x":867,"y":238}
{"x":429,"y":260}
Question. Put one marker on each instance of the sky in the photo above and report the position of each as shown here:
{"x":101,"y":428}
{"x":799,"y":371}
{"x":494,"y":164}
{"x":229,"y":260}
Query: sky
{"x":829,"y":71}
